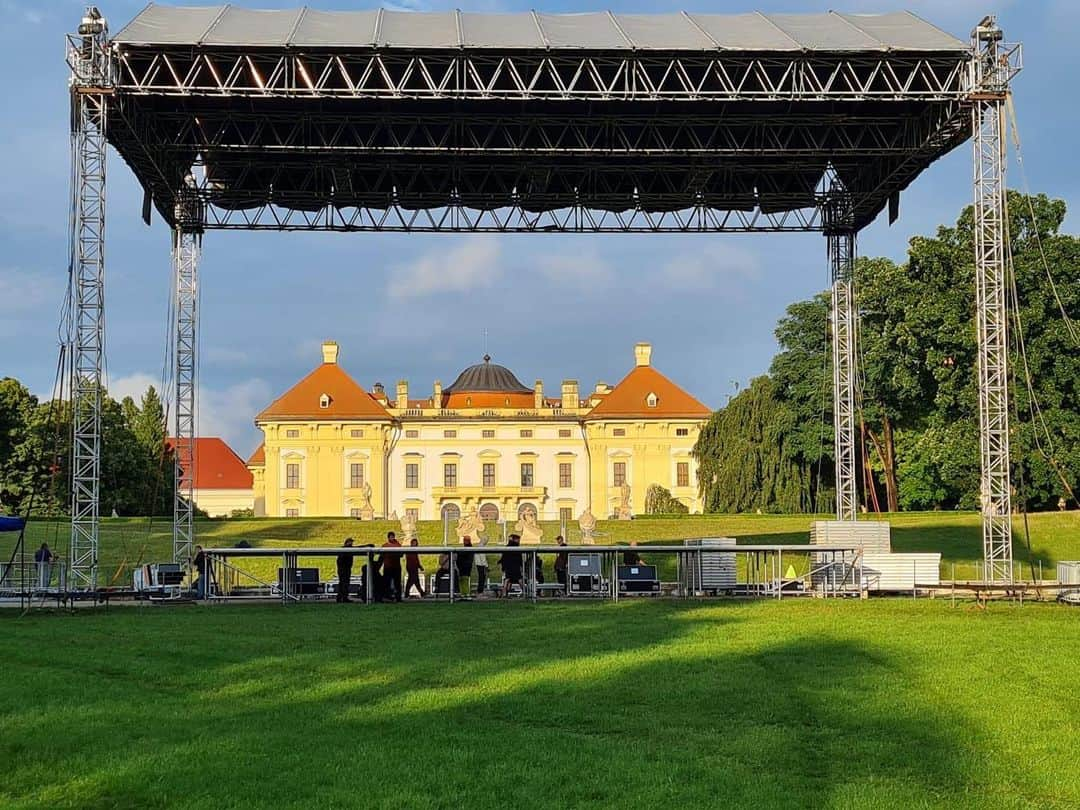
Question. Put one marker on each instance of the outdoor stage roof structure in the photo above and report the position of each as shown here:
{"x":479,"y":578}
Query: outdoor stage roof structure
{"x":394,"y":121}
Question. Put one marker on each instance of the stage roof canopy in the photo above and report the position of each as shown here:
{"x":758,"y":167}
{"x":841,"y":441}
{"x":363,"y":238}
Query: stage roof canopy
{"x":308,"y":28}
{"x":384,"y":120}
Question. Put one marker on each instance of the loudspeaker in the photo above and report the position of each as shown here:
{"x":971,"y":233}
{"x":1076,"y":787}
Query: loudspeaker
{"x":301,"y":580}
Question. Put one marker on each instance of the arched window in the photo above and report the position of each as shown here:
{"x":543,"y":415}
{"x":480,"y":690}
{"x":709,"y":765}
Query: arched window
{"x":489,"y":512}
{"x":324,"y":401}
{"x":651,"y":400}
{"x":526,"y":507}
{"x":451,"y":511}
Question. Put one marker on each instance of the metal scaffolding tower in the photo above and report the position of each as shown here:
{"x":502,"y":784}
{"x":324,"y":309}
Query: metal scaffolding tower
{"x":187,"y":243}
{"x":87,"y":56}
{"x":993,"y":66}
{"x":844,"y":336}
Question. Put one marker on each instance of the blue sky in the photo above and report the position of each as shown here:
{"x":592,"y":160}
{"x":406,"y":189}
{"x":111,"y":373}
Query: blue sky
{"x":417,"y":306}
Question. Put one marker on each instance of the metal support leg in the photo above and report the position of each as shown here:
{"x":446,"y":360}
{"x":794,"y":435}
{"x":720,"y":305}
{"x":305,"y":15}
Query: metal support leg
{"x":87,"y":56}
{"x":844,"y":336}
{"x":186,"y":247}
{"x":992,"y":71}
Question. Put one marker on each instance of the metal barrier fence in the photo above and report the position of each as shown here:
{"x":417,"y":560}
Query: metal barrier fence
{"x":831,"y":570}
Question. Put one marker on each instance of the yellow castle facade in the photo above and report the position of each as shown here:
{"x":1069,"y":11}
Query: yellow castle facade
{"x":485,"y":443}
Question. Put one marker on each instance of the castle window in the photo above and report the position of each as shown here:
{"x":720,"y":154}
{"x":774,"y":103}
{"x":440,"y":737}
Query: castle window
{"x":566,"y":515}
{"x":413,"y":514}
{"x":292,"y":476}
{"x":527,"y":474}
{"x":354,"y":512}
{"x":618,"y":473}
{"x":292,"y":434}
{"x":356,"y":434}
{"x":682,"y":474}
{"x":489,"y":475}
{"x":682,"y":431}
{"x":449,"y":475}
{"x":412,"y":476}
{"x":356,"y":476}
{"x":566,"y":474}
{"x":488,"y":434}
{"x":651,"y":400}
{"x":292,"y":513}
{"x":412,"y":434}
{"x":526,"y":434}
{"x":324,"y":401}
{"x":564,"y":433}
{"x":449,"y":434}
{"x":618,"y":432}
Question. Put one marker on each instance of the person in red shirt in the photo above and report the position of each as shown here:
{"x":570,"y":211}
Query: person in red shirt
{"x":391,"y":568}
{"x":412,"y":571}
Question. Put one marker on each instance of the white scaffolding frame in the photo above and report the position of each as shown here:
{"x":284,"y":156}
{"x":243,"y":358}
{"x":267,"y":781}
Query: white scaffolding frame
{"x":994,"y":65}
{"x":88,"y":59}
{"x":187,"y":244}
{"x":844,"y":351}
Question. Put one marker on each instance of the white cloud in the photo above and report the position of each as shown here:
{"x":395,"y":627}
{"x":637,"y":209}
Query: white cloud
{"x":226,"y":412}
{"x":466,"y":265}
{"x":22,"y":291}
{"x":134,"y":386}
{"x":585,"y":270}
{"x":230,"y":412}
{"x":703,"y":269}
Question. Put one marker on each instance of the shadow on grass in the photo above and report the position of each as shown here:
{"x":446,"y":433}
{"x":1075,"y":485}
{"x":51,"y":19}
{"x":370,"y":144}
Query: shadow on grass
{"x":563,"y":706}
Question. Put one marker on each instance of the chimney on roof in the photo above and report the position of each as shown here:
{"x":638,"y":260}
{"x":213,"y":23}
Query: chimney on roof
{"x":436,"y":395}
{"x":538,"y":395}
{"x":570,"y":394}
{"x":603,"y":388}
{"x":643,"y":353}
{"x":403,"y":394}
{"x":379,"y":391}
{"x":329,"y":351}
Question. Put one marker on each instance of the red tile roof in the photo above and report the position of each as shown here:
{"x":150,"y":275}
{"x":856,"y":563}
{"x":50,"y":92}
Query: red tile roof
{"x":258,"y":458}
{"x":628,"y":399}
{"x":347,"y":399}
{"x":217,"y":466}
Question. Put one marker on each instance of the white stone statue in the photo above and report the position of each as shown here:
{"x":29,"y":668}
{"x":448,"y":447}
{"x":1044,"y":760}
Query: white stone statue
{"x":528,"y":527}
{"x":587,"y":524}
{"x":367,"y":511}
{"x":470,"y":524}
{"x":625,"y":512}
{"x":408,"y":527}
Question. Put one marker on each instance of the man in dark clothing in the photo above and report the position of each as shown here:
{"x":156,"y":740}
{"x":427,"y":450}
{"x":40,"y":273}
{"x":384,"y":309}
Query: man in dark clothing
{"x":561,"y":562}
{"x":463,"y":561}
{"x":413,"y":567}
{"x":391,"y":569}
{"x":198,"y":562}
{"x":510,"y":563}
{"x":344,"y":573}
{"x":44,"y":557}
{"x":631,"y":557}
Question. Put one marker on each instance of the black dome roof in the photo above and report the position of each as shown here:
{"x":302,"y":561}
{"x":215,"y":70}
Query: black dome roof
{"x":487,"y":376}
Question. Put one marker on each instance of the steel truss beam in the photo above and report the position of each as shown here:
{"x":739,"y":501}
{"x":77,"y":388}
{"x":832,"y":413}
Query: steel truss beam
{"x":187,"y":243}
{"x":90,"y":87}
{"x":270,"y":72}
{"x":841,"y":246}
{"x":993,"y":68}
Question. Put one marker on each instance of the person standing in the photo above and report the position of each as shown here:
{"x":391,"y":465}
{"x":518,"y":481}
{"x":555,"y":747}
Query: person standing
{"x":412,"y":571}
{"x":464,"y":562}
{"x":199,"y":563}
{"x":481,"y":563}
{"x":391,"y":568}
{"x":510,"y":563}
{"x":344,"y":573}
{"x":43,"y":558}
{"x":561,"y":562}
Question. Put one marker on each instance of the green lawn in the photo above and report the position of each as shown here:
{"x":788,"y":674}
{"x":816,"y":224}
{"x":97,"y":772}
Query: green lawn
{"x":805,"y":703}
{"x":957,"y":535}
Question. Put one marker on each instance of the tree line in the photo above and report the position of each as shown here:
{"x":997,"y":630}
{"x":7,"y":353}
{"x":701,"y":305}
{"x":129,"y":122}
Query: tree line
{"x":770,"y":448}
{"x":35,"y":454}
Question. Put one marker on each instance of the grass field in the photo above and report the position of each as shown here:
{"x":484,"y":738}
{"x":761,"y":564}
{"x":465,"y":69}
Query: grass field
{"x":807,"y":703}
{"x":957,"y":535}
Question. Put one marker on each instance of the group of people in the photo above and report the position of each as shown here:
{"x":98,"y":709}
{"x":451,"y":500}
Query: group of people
{"x":454,"y":572}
